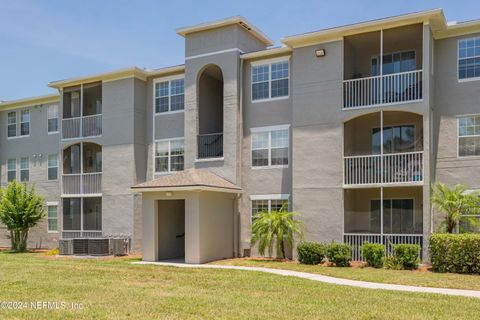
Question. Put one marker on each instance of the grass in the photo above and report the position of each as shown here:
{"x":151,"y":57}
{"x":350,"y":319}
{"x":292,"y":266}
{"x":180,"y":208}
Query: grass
{"x":116,"y":289}
{"x":414,"y":278}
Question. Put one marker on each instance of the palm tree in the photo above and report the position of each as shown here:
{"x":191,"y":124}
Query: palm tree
{"x":454,"y":202}
{"x":275,"y":228}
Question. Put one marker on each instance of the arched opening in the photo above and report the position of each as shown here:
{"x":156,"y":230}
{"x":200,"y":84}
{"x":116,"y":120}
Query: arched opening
{"x":210,"y":113}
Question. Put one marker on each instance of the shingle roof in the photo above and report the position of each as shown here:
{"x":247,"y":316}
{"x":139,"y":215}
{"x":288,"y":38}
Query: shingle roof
{"x":190,"y":178}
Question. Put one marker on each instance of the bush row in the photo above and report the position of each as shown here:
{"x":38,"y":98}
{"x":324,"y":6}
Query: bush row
{"x":314,"y":253}
{"x":455,"y":252}
{"x":404,"y":256}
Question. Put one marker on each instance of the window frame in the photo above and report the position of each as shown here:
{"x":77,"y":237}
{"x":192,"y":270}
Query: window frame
{"x":14,"y":170}
{"x":269,"y":130}
{"x":11,"y":124}
{"x":22,"y":122}
{"x":169,"y":171}
{"x":49,"y":118}
{"x":458,"y":61}
{"x":169,"y":80}
{"x":48,"y":205}
{"x":469,"y":136}
{"x":382,"y":129}
{"x":50,"y":167}
{"x":269,"y":62}
{"x":268,"y":198}
{"x":25,"y":169}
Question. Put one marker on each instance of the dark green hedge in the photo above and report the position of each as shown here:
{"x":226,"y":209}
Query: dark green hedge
{"x":455,"y":252}
{"x":311,"y":252}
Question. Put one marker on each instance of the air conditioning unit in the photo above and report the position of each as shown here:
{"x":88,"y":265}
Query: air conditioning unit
{"x":98,"y":247}
{"x":65,"y":247}
{"x":119,"y":247}
{"x":80,"y":246}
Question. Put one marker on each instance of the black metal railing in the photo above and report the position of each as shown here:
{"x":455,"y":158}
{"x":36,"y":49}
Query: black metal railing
{"x":210,"y":145}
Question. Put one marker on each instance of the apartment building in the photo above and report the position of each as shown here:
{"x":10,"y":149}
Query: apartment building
{"x":349,"y":126}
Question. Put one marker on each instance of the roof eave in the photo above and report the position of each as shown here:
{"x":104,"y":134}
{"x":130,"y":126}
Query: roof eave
{"x":13,"y":104}
{"x":186,"y":188}
{"x":362,"y":27}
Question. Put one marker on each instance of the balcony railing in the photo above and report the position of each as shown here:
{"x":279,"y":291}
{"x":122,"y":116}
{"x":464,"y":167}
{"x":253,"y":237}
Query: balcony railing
{"x":210,"y":145}
{"x":82,"y":127}
{"x":79,"y":184}
{"x":388,"y":240}
{"x":391,"y":168}
{"x":385,"y":89}
{"x":71,"y":234}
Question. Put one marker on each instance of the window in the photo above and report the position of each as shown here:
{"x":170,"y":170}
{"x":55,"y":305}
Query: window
{"x":12,"y":124}
{"x":169,"y":155}
{"x":395,"y":139}
{"x":469,"y":58}
{"x":469,"y":136}
{"x":24,"y":169}
{"x":25,"y":123}
{"x":11,"y":169}
{"x":169,"y":96}
{"x":270,"y":80}
{"x":52,"y":218}
{"x":268,"y":203}
{"x":52,"y":118}
{"x":52,"y":167}
{"x":398,"y":216}
{"x":270,"y":147}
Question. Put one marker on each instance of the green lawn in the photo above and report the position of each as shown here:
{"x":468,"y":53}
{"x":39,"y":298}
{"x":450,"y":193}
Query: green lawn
{"x":115,"y":289}
{"x":414,"y":278}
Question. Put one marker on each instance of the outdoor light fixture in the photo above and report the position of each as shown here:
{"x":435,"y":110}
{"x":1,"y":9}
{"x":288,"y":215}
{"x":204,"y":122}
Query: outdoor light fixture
{"x":168,"y":193}
{"x":320,"y":53}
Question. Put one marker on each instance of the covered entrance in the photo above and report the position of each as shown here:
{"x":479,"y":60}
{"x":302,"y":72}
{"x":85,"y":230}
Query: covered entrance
{"x":190,"y":214}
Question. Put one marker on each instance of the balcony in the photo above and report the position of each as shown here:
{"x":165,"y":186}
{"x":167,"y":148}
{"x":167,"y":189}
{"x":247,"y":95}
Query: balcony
{"x":82,"y":127}
{"x":386,"y":89}
{"x":396,"y":168}
{"x":82,"y":184}
{"x":383,"y":67}
{"x":210,"y":145}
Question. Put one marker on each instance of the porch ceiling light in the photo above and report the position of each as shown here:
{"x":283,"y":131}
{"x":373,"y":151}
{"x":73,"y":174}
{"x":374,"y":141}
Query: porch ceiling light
{"x":169,"y":193}
{"x":320,"y":53}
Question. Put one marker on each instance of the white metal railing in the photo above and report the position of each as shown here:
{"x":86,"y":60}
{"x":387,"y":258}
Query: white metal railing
{"x":71,"y":128}
{"x":356,"y":240}
{"x":82,"y":127}
{"x":82,"y":183}
{"x":384,"y":169}
{"x":384,"y":89}
{"x":70,"y":234}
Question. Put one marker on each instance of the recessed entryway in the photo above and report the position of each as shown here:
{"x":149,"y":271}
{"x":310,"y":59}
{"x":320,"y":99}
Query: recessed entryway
{"x":171,"y":229}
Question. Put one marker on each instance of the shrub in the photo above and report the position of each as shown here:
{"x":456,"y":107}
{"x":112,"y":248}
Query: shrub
{"x":405,"y":257}
{"x":374,"y":254}
{"x":455,"y":252}
{"x":311,"y":252}
{"x":340,"y":254}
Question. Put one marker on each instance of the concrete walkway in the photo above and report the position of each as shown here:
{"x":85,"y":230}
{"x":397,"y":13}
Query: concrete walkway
{"x":326,"y":279}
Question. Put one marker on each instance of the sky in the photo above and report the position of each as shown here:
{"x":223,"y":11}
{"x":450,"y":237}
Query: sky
{"x":48,"y":40}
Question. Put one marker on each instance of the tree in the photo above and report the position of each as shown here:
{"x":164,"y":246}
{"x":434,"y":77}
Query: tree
{"x":454,"y":202}
{"x":20,"y":209}
{"x":275,"y":228}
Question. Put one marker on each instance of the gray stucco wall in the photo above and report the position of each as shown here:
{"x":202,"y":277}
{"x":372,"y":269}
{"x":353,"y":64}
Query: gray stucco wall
{"x":41,"y":144}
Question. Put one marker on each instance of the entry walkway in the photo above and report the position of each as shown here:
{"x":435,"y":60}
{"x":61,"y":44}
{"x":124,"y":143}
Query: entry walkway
{"x":326,"y":279}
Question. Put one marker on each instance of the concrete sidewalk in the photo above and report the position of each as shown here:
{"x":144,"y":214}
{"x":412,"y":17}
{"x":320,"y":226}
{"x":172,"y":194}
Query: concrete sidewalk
{"x":325,"y":279}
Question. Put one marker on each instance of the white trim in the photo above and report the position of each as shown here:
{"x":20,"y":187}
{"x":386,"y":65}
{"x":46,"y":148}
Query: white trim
{"x":284,"y":196}
{"x":58,"y":166}
{"x":468,"y":79}
{"x":210,"y":159}
{"x":52,"y":203}
{"x":168,"y":79}
{"x":58,"y":118}
{"x":469,"y":136}
{"x":169,"y":156}
{"x":187,"y":188}
{"x":213,"y":53}
{"x":270,"y":128}
{"x":270,"y":61}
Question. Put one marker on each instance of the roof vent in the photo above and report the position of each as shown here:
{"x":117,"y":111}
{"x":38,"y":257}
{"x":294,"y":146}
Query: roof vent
{"x":245,"y":25}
